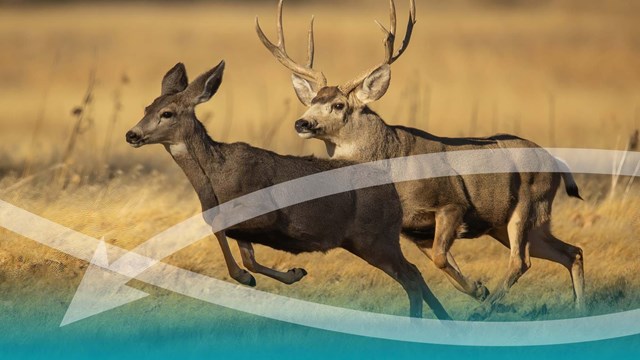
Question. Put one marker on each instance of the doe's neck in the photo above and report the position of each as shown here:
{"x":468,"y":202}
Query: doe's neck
{"x":200,"y":159}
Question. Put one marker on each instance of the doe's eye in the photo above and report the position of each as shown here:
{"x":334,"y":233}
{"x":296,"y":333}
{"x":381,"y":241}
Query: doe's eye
{"x":338,"y":106}
{"x":166,"y":115}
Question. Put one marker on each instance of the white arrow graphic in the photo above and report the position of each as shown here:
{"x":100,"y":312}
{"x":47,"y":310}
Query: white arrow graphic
{"x":103,"y":286}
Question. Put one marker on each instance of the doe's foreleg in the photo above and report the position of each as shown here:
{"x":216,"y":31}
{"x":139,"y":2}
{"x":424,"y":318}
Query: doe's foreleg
{"x":240,"y":275}
{"x":249,"y":261}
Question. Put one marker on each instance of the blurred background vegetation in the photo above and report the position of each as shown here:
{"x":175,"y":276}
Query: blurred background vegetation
{"x":436,"y":3}
{"x":76,"y":75}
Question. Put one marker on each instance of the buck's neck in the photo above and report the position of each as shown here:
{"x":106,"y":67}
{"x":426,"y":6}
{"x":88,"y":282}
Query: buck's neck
{"x":199,"y":156}
{"x":365,"y":137}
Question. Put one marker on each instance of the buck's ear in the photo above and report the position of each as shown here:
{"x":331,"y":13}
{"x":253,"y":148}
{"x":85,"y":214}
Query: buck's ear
{"x":375,"y":85}
{"x":206,"y":85}
{"x":175,"y":80}
{"x":304,"y":89}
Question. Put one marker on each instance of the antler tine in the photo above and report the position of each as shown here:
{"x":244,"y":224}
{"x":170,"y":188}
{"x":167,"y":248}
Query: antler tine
{"x":265,"y":41}
{"x":390,"y":35}
{"x":280,"y":27}
{"x":407,"y":36}
{"x":389,"y":42}
{"x":392,"y":17}
{"x":312,"y":46}
{"x":279,"y":52}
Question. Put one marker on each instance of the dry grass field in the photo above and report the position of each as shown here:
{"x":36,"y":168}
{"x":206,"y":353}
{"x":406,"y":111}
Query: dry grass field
{"x":74,"y":78}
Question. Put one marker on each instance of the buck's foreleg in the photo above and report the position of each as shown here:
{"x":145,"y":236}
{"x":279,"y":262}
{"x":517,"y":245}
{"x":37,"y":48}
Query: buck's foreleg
{"x":249,"y":261}
{"x":518,"y":230}
{"x":240,"y":275}
{"x":478,"y":290}
{"x":448,"y":221}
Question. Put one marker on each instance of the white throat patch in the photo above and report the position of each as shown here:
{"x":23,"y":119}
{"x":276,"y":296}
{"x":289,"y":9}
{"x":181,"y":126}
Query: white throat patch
{"x":178,"y":150}
{"x":346,"y":151}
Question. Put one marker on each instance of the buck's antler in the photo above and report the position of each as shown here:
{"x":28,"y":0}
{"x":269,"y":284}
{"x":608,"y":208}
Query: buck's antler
{"x":280,"y":53}
{"x":389,"y":43}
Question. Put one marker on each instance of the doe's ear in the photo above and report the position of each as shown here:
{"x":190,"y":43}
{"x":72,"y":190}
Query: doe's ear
{"x":304,"y":89}
{"x":206,"y":85}
{"x":175,"y":80}
{"x":375,"y":85}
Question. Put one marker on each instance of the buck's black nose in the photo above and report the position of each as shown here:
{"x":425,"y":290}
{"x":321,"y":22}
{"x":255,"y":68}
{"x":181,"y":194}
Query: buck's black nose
{"x":303,"y":126}
{"x":133,"y":137}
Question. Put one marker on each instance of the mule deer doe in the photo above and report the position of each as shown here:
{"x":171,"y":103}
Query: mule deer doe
{"x":221,"y":172}
{"x":513,"y":208}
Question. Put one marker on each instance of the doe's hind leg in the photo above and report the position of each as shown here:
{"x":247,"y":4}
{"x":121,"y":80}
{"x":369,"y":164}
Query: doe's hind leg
{"x":390,"y":259}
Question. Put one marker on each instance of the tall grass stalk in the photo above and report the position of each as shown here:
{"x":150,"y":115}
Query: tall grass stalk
{"x":494,"y":118}
{"x":618,"y":165}
{"x":426,"y":107}
{"x":552,"y":120}
{"x":117,"y":109}
{"x":42,"y":110}
{"x":473,"y":127}
{"x":228,"y":119}
{"x":270,"y":130}
{"x":81,"y":125}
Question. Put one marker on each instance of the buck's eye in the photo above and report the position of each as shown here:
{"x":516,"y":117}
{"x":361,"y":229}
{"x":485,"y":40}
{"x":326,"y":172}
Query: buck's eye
{"x":166,"y":115}
{"x":338,"y":106}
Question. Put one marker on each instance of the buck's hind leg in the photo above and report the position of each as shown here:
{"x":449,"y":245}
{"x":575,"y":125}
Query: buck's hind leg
{"x":545,"y":245}
{"x":249,"y":261}
{"x":475,"y":289}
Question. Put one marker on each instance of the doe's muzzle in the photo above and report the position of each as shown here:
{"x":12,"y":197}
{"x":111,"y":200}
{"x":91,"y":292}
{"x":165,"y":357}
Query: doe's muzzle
{"x":133,"y":137}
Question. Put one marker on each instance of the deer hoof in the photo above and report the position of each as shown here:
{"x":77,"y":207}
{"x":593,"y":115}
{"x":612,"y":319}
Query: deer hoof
{"x":245,"y":278}
{"x":296,"y":274}
{"x":477,"y":316}
{"x":580,"y":308}
{"x":482,"y":293}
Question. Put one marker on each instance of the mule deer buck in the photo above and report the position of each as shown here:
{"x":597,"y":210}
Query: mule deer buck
{"x":220,"y":172}
{"x":513,"y":208}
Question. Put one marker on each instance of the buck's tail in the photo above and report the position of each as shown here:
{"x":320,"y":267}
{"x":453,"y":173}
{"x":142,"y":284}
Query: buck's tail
{"x":569,"y":182}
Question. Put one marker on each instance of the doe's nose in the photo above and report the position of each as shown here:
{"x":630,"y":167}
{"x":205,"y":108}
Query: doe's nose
{"x":133,"y":137}
{"x":303,"y":125}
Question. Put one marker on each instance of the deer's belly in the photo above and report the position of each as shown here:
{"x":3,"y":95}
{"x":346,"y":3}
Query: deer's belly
{"x":279,"y":240}
{"x":421,"y":225}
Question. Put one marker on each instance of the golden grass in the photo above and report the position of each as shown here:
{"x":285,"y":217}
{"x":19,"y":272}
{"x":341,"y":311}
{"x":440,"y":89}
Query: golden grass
{"x":516,"y":69}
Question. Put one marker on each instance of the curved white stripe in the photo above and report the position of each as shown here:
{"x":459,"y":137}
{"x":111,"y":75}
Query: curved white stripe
{"x":339,"y":319}
{"x":400,"y":328}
